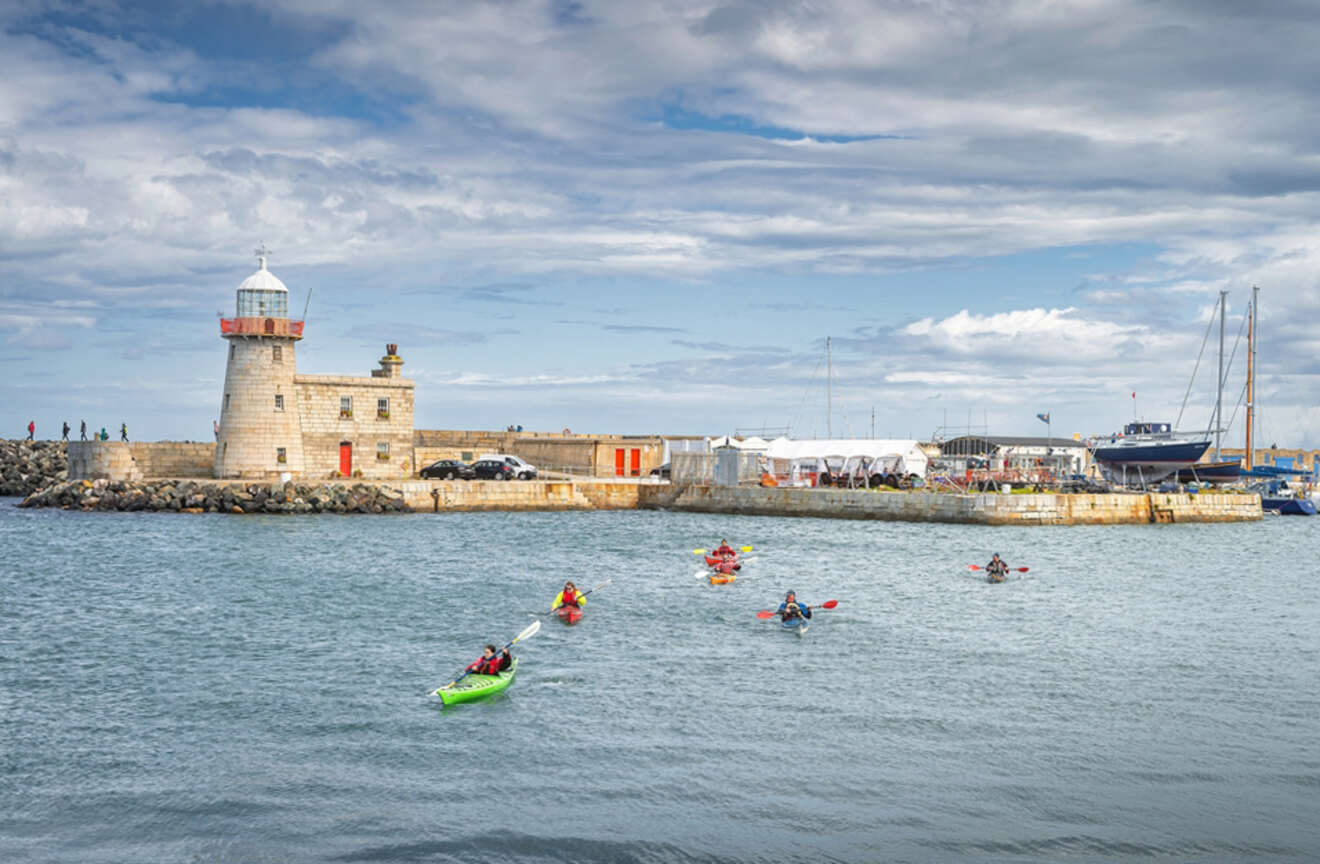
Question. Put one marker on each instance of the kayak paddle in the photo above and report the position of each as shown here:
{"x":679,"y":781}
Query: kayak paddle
{"x":979,"y":567}
{"x":828,"y":604}
{"x":528,"y":632}
{"x":704,"y":551}
{"x":583,"y":594}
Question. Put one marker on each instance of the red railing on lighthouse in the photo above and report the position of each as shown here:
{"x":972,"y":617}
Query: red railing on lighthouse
{"x":261,"y":327}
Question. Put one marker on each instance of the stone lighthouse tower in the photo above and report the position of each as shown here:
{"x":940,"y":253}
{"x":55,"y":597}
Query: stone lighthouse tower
{"x":260,"y":430}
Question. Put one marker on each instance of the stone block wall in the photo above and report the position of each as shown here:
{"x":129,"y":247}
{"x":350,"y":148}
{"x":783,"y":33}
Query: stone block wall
{"x":984,"y":509}
{"x":173,"y":458}
{"x":102,"y":460}
{"x":324,"y":428}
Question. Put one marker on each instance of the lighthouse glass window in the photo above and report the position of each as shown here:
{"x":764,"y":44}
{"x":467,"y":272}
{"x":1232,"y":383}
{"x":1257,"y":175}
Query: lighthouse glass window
{"x":263,"y":304}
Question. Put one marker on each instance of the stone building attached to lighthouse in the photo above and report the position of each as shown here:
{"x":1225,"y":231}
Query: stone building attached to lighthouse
{"x":275,"y":421}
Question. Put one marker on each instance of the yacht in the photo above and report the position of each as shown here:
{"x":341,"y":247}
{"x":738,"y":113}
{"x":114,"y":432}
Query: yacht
{"x":1147,"y":452}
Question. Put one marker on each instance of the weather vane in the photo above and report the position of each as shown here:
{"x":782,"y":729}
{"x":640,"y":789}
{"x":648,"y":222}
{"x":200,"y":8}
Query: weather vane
{"x":262,"y":253}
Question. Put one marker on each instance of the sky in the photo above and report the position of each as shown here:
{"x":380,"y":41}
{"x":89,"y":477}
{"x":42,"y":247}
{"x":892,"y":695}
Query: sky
{"x":649,"y":217}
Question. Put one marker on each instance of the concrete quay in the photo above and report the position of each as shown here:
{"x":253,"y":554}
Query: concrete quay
{"x":972,"y":509}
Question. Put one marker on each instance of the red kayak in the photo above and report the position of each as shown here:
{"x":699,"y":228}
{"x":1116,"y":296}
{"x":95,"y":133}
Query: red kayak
{"x":569,"y":614}
{"x":712,"y":562}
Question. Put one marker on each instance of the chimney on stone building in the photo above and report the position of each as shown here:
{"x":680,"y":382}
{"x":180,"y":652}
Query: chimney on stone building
{"x":389,"y":364}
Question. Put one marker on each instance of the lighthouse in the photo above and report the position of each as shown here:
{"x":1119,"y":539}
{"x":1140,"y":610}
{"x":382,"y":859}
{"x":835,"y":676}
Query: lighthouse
{"x":260,"y":429}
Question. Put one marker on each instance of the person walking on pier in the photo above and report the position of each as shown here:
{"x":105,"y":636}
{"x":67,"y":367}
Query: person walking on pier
{"x":123,"y":432}
{"x":84,"y":430}
{"x":32,"y":430}
{"x":64,"y":436}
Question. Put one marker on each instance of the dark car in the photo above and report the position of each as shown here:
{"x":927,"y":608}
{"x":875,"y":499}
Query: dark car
{"x":447,"y":469}
{"x":492,"y":469}
{"x":662,"y":472}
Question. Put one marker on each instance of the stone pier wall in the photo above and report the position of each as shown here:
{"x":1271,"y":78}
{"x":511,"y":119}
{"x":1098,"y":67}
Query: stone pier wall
{"x":422,"y":495}
{"x":983,"y":509}
{"x":115,"y":460}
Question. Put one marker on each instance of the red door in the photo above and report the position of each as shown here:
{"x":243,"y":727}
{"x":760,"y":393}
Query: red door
{"x":345,"y":458}
{"x":618,"y":462}
{"x":635,"y":463}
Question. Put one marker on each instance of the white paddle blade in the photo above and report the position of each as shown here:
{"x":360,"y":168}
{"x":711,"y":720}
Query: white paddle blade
{"x":602,"y":585}
{"x":700,"y":573}
{"x":532,"y":630}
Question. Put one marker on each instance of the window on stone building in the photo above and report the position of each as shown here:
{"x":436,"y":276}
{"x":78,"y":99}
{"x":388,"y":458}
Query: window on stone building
{"x":226,"y":401}
{"x":383,"y":450}
{"x":383,"y":409}
{"x":277,"y":353}
{"x":345,"y":406}
{"x":281,"y":456}
{"x":279,"y":401}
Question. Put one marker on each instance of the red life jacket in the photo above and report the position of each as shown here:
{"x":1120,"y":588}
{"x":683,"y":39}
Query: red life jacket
{"x":570,"y":598}
{"x":724,"y":550}
{"x":487,"y":665}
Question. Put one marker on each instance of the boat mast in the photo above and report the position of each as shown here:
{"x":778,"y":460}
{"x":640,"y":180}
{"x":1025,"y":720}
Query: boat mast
{"x":1251,"y":375}
{"x":1219,"y":402}
{"x":829,"y":391}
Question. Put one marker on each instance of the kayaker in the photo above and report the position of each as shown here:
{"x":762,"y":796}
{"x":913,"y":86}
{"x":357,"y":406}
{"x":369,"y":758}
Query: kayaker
{"x":997,"y":569}
{"x":725,"y":550}
{"x":569,"y":597}
{"x":727,"y":567}
{"x":490,"y":662}
{"x":790,"y":608}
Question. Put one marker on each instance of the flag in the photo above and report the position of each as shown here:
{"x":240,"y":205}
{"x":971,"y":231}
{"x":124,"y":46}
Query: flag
{"x":1134,"y":394}
{"x":1044,"y":418}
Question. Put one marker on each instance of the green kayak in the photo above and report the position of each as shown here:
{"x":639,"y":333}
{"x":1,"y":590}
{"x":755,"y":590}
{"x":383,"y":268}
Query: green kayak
{"x":475,"y":687}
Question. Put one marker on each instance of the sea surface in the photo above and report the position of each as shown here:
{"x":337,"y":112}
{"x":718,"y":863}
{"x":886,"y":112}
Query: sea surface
{"x":182,"y":688}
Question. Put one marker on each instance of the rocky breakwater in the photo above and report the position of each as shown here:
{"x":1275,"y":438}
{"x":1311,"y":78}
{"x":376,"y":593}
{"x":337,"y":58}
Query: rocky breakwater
{"x":200,"y":497}
{"x":26,"y":466}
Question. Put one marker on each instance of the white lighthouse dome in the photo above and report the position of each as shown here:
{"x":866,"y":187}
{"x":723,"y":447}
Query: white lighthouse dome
{"x":263,"y":280}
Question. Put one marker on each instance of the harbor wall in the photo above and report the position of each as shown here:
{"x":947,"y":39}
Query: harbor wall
{"x":117,"y":460}
{"x":462,"y":495}
{"x":980,"y":509}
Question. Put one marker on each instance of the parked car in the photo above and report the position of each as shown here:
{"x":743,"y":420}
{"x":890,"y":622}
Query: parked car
{"x":522,"y":469}
{"x":492,"y":469}
{"x":447,"y":469}
{"x":662,"y":472}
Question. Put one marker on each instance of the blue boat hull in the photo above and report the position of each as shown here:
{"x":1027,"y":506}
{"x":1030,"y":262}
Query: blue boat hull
{"x":1212,"y":472}
{"x":1289,"y":506}
{"x":1148,"y":462}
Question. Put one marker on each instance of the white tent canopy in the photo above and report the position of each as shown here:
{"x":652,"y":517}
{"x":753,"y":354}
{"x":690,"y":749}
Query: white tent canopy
{"x":753,"y":443}
{"x":902,"y":455}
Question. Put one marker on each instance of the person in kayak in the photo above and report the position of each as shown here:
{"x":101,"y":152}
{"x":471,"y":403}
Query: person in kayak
{"x":791,"y":608}
{"x":491,"y":662}
{"x":727,"y":567}
{"x":725,"y":550}
{"x":569,"y":597}
{"x":997,"y":569}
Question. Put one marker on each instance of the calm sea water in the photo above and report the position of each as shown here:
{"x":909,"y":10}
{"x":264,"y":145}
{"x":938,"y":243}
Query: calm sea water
{"x":215,"y":688}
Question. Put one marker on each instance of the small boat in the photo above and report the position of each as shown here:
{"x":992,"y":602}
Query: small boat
{"x":715,"y":562}
{"x":475,"y":687}
{"x":1288,"y":506}
{"x":570,"y":614}
{"x":722,"y":578}
{"x":797,"y":625}
{"x":1212,"y":472}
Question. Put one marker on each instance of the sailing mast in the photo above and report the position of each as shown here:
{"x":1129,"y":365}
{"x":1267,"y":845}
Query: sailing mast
{"x":829,"y":391}
{"x":1219,"y":402}
{"x":1251,"y":376}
